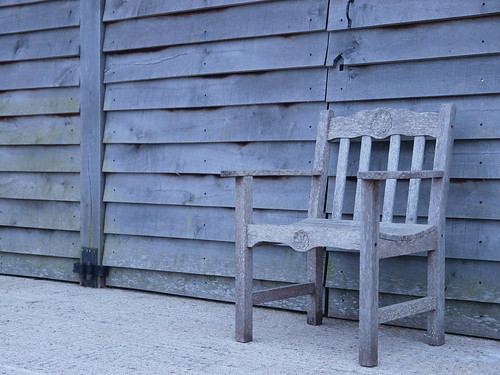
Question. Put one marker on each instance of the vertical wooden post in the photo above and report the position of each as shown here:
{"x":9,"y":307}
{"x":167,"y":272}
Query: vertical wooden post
{"x":92,"y":115}
{"x":369,"y":274}
{"x":244,"y":260}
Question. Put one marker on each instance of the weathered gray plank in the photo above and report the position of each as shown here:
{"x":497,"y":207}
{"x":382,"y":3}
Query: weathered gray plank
{"x":276,"y":263}
{"x":39,"y":102}
{"x":228,"y":124}
{"x":40,"y":130}
{"x":246,"y":21}
{"x":118,"y":10}
{"x":41,"y":16}
{"x":466,"y":280}
{"x":207,"y":191}
{"x":207,"y":158}
{"x":92,"y":114}
{"x":40,"y":242}
{"x":200,"y":223}
{"x":39,"y":159}
{"x":39,"y":74}
{"x":40,"y":186}
{"x":461,"y":76}
{"x":276,"y":87}
{"x":199,"y":286}
{"x":37,"y":266}
{"x":463,"y":317}
{"x":40,"y":45}
{"x":477,"y":116}
{"x":476,"y":36}
{"x":273,"y":53}
{"x":368,"y":13}
{"x":40,"y":214}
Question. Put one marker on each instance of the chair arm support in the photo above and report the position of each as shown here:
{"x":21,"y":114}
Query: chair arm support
{"x":271,"y":173}
{"x":399,"y":175}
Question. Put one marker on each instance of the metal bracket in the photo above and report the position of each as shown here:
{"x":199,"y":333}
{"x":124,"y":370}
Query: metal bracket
{"x":91,"y":274}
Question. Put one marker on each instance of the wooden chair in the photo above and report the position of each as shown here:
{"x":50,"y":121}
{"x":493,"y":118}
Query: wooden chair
{"x":376,"y":236}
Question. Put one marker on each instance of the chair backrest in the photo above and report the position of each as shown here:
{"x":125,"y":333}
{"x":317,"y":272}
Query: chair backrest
{"x":385,"y":130}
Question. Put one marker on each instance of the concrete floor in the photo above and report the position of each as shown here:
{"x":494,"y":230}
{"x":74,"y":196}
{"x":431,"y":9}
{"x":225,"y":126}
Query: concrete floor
{"x":49,"y":327}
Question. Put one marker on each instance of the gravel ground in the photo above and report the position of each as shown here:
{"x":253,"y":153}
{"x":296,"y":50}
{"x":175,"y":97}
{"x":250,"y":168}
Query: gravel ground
{"x":53,"y":328}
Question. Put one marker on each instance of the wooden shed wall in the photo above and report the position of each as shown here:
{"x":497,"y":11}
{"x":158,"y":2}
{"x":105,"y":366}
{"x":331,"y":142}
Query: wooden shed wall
{"x":39,"y":138}
{"x":193,"y":87}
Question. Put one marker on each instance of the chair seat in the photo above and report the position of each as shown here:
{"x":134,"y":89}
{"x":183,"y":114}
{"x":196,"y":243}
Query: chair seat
{"x":395,"y":239}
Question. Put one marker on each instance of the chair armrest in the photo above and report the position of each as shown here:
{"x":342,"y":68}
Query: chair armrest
{"x":271,"y":173}
{"x":399,"y":175}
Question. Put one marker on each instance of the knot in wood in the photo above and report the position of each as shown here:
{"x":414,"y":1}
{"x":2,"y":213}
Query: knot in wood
{"x":301,"y":240}
{"x":381,"y":123}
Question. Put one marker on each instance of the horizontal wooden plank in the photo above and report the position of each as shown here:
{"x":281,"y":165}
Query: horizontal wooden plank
{"x":276,"y":87}
{"x":38,"y":266}
{"x":462,"y":317}
{"x":227,"y":124}
{"x":118,"y":10}
{"x":457,"y":76}
{"x":198,"y":286}
{"x":6,"y":3}
{"x":207,"y":191}
{"x":40,"y":130}
{"x":477,"y":117}
{"x":40,"y":74}
{"x":466,"y":37}
{"x":39,"y":159}
{"x":40,"y":45}
{"x":293,"y":16}
{"x":40,"y":214}
{"x":39,"y":16}
{"x":52,"y":243}
{"x":274,"y":53}
{"x":476,"y":159}
{"x":207,"y":158}
{"x":40,"y":186}
{"x":369,"y":13}
{"x":196,"y":257}
{"x":466,"y":280}
{"x":198,"y":223}
{"x":40,"y":102}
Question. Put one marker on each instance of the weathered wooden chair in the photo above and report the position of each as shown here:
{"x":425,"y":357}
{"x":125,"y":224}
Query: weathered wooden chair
{"x":375,"y":236}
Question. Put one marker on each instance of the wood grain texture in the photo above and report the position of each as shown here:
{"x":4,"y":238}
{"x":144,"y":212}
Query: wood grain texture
{"x":40,"y":130}
{"x":242,"y":55}
{"x":226,"y":124}
{"x":39,"y":45}
{"x":39,"y":16}
{"x":477,"y":117}
{"x":38,"y":266}
{"x":39,"y":102}
{"x":40,"y":186}
{"x":200,"y":223}
{"x":201,"y":257}
{"x":230,"y":23}
{"x":462,"y":317}
{"x":39,"y":214}
{"x":118,"y":10}
{"x":7,"y":3}
{"x":466,"y":280}
{"x":290,"y":86}
{"x":368,"y":13}
{"x":52,"y":243}
{"x":462,"y":76}
{"x":39,"y":159}
{"x":206,"y":158}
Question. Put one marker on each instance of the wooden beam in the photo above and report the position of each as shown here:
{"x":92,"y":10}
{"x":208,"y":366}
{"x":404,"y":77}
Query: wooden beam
{"x":92,"y":99}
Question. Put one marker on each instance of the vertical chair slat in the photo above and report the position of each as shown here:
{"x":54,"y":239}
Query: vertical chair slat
{"x":390,"y":185}
{"x":364,"y":165}
{"x":413,"y":191}
{"x":340,"y":178}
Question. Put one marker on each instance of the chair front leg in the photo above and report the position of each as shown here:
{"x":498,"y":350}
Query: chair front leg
{"x":315,"y":275}
{"x":369,"y":274}
{"x":244,"y":260}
